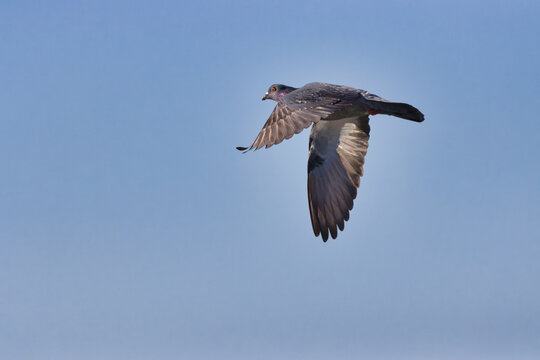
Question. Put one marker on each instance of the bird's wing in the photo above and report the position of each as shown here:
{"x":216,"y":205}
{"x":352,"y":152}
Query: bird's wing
{"x":291,"y":117}
{"x":336,"y":157}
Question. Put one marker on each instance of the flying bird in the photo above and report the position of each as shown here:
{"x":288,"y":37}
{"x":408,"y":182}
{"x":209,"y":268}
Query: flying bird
{"x":337,"y":144}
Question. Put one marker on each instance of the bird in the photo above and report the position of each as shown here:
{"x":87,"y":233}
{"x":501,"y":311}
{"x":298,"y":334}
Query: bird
{"x":338,"y":142}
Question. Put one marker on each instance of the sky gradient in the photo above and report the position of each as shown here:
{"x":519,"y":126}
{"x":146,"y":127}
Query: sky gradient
{"x":131,"y":228}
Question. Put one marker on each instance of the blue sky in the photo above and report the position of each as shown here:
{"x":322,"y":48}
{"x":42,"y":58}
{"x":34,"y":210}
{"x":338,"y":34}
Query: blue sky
{"x":130,"y":228}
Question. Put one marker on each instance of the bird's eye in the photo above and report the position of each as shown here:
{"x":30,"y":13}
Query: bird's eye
{"x":273,"y":88}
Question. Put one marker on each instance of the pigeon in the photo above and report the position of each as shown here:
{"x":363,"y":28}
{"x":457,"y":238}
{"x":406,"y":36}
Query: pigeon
{"x":337,"y":144}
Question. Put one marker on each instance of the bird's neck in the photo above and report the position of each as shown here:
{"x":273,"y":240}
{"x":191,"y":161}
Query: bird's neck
{"x":284,"y":91}
{"x":287,"y":89}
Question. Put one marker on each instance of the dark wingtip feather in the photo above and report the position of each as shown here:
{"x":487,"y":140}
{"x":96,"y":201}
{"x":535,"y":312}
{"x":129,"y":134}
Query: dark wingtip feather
{"x":333,"y":231}
{"x":243,"y":149}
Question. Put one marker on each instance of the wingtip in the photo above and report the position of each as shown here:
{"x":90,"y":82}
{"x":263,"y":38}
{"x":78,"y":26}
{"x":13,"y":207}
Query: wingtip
{"x":324,"y":235}
{"x":242,"y":149}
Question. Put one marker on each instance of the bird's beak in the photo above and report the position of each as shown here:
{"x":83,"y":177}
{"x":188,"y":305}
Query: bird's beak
{"x":265,"y":96}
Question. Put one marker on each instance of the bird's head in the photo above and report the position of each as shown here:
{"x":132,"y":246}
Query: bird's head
{"x":277,"y":91}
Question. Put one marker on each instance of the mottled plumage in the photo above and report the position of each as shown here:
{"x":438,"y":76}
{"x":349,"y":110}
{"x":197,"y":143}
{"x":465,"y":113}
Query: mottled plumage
{"x":337,"y":145}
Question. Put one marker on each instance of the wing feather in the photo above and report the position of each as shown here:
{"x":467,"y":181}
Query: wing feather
{"x":335,"y":165}
{"x":289,"y":118}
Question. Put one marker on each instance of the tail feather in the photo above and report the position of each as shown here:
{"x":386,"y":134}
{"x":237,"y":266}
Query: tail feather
{"x":402,"y":110}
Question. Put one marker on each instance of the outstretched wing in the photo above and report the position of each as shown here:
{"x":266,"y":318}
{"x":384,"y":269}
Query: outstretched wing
{"x":336,"y":157}
{"x":282,"y":124}
{"x":292,"y":115}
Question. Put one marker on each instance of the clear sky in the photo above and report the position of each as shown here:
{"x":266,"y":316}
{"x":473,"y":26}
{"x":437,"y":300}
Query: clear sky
{"x":130,"y":227}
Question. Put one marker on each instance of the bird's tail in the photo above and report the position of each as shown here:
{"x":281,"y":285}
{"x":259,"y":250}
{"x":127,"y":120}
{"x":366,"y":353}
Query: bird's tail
{"x":402,"y":110}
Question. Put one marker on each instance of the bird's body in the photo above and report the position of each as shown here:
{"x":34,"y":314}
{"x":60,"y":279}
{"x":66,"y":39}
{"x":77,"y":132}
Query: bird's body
{"x":337,"y":144}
